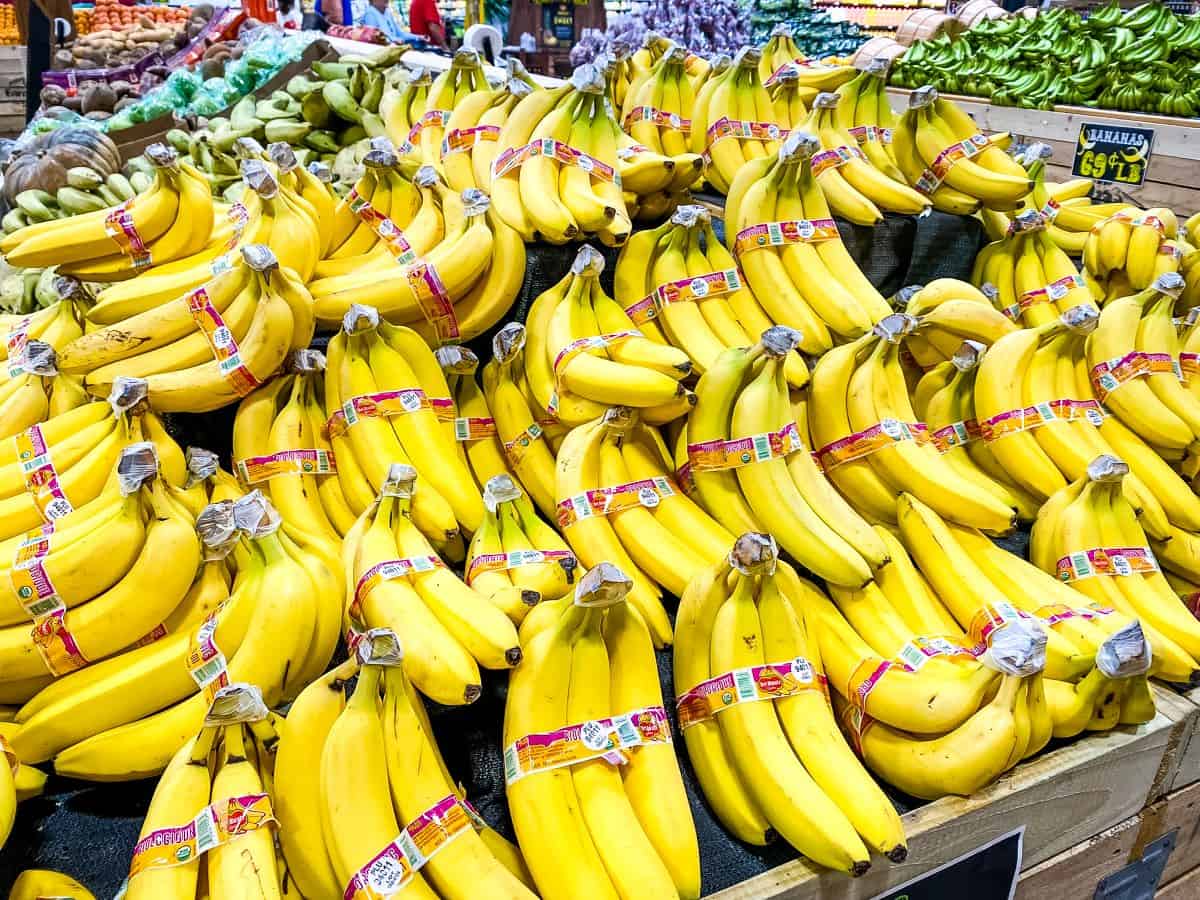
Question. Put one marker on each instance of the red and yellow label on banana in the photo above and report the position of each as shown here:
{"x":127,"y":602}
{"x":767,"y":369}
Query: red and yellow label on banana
{"x":222,"y":343}
{"x":385,"y":404}
{"x":213,"y":826}
{"x":599,"y":738}
{"x":737,"y":452}
{"x":780,"y":234}
{"x":1030,"y":417}
{"x":40,"y":475}
{"x":1054,"y":292}
{"x":771,"y":681}
{"x":205,"y":662}
{"x":460,"y":140}
{"x":514,"y":559}
{"x":742,"y":130}
{"x":686,"y":290}
{"x":872,"y":440}
{"x":390,"y":570}
{"x":591,"y":342}
{"x":431,"y":295}
{"x":391,"y":869}
{"x":430,"y":118}
{"x":119,"y":225}
{"x":474,"y":428}
{"x":255,"y":469}
{"x":659,"y":118}
{"x":1106,"y":561}
{"x":385,"y":229}
{"x":1189,"y":366}
{"x":565,"y":154}
{"x":834,"y":158}
{"x":871,"y":134}
{"x":606,"y":501}
{"x":931,"y":179}
{"x":30,"y":581}
{"x":56,"y":644}
{"x":17,"y":338}
{"x":1109,"y":375}
{"x":516,"y":449}
{"x":956,"y":434}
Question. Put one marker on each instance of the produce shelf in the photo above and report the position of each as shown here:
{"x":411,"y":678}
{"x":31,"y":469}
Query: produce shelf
{"x":1063,"y":798}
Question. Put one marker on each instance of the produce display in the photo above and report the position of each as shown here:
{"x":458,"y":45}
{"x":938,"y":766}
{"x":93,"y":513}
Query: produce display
{"x":117,"y":35}
{"x":1142,"y":59}
{"x":509,"y":485}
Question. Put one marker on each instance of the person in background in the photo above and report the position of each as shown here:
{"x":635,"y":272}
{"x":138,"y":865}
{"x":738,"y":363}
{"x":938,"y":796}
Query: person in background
{"x":425,"y":21}
{"x":376,"y":16}
{"x":289,"y":16}
{"x":37,"y":23}
{"x":334,"y":12}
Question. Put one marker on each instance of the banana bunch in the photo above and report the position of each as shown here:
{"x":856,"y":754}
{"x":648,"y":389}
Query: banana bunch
{"x":555,"y":171}
{"x":734,"y":121}
{"x":1126,"y":251}
{"x":616,"y":501}
{"x":680,"y":291}
{"x":790,"y":99}
{"x":773,"y":761}
{"x":475,"y":429}
{"x":396,"y":580}
{"x":867,"y":436}
{"x":280,"y":444}
{"x":291,"y":220}
{"x":944,"y":399}
{"x":32,"y":389}
{"x":416,"y":123}
{"x":653,"y":156}
{"x":858,"y":187}
{"x":1034,"y":279}
{"x":865,"y":112}
{"x":750,"y":468}
{"x":1088,"y":536}
{"x":942,"y":154}
{"x":653,"y":47}
{"x":781,"y":50}
{"x":780,"y":229}
{"x":616,"y":809}
{"x":1133,"y":360}
{"x":515,"y":558}
{"x":86,"y":190}
{"x":469,"y":146}
{"x":387,"y":401}
{"x":20,"y":782}
{"x":948,"y":312}
{"x":33,"y":884}
{"x":441,"y":261}
{"x":212,"y":809}
{"x":1066,"y":207}
{"x":206,"y":349}
{"x":593,"y":355}
{"x":276,"y":630}
{"x":172,"y":219}
{"x":348,"y":773}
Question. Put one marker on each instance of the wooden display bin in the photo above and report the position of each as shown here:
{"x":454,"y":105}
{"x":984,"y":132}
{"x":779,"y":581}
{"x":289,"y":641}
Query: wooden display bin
{"x":1087,"y":808}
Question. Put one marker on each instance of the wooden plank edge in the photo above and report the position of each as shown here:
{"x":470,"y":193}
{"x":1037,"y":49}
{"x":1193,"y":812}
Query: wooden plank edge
{"x":946,"y":828}
{"x":1186,"y":887}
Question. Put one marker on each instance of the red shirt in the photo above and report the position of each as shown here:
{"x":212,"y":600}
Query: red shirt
{"x":420,"y":15}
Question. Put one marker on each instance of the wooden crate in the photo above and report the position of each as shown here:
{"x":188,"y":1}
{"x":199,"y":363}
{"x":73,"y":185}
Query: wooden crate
{"x":1074,"y":873}
{"x":1171,"y":178}
{"x":12,"y":117}
{"x":1063,"y":798}
{"x":1187,"y":763}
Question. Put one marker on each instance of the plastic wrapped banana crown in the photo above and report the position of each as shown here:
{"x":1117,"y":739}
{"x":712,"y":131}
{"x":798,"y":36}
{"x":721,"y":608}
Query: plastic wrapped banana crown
{"x":401,"y":481}
{"x":260,"y":258}
{"x":201,"y":465}
{"x":500,"y":489}
{"x":475,"y":202}
{"x":456,"y":359}
{"x":248,"y":148}
{"x":137,"y":465}
{"x":968,"y":355}
{"x":1126,"y":653}
{"x":748,"y":58}
{"x":588,"y":79}
{"x":255,"y":515}
{"x":603,"y":585}
{"x":283,"y":156}
{"x":1081,"y":319}
{"x":1169,"y":283}
{"x":825,"y":100}
{"x":306,"y":362}
{"x":236,"y":704}
{"x":508,"y":342}
{"x":894,"y":327}
{"x":798,"y":146}
{"x":218,"y":530}
{"x":1107,"y":468}
{"x":37,"y":358}
{"x":588,"y":262}
{"x":321,"y":171}
{"x":259,"y":178}
{"x":780,"y":340}
{"x":127,"y":393}
{"x":922,"y":97}
{"x":619,"y":419}
{"x":754,"y":553}
{"x":379,"y":647}
{"x":359,"y":318}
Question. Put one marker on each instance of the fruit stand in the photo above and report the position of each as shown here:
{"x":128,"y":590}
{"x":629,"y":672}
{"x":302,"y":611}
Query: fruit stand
{"x":721,"y":476}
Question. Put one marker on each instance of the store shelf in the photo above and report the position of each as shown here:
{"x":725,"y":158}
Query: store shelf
{"x":1062,"y":799}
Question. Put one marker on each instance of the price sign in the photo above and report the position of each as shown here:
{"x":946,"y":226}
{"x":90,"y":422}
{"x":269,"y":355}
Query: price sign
{"x":988,"y":872}
{"x":1116,"y":153}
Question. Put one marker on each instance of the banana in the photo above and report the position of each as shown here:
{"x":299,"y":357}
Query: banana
{"x":245,"y":864}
